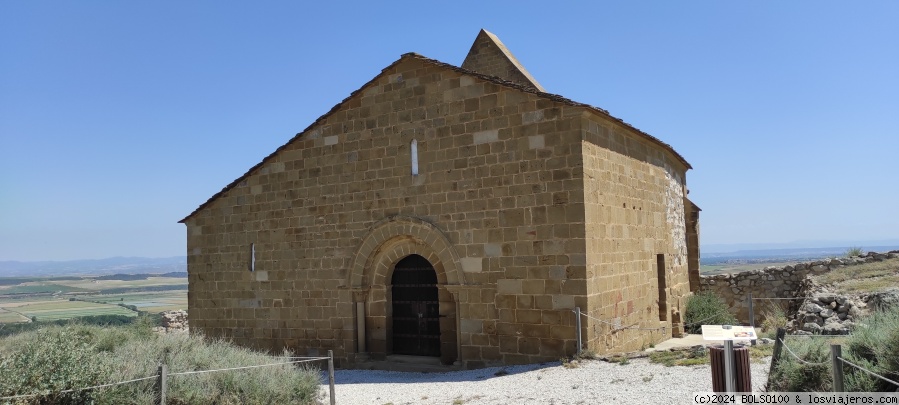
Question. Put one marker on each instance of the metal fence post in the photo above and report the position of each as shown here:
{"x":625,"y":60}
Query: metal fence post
{"x":729,"y":366}
{"x":161,"y":384}
{"x":751,"y":316}
{"x":836,"y":351}
{"x":331,"y":374}
{"x":577,"y":327}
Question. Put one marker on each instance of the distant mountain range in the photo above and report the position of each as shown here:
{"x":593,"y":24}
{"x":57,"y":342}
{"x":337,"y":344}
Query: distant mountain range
{"x":809,"y":245}
{"x":761,"y":253}
{"x":797,"y":252}
{"x":710,"y":254}
{"x":95,"y":267}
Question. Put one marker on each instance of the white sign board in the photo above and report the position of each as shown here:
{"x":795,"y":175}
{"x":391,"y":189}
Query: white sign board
{"x":728,"y":332}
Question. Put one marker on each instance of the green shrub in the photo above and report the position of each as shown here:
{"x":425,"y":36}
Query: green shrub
{"x":73,"y":356}
{"x":53,"y":360}
{"x":874,"y":345}
{"x":791,"y":375}
{"x":854,"y":251}
{"x":182,"y":352}
{"x":706,"y":308}
{"x":774,"y":317}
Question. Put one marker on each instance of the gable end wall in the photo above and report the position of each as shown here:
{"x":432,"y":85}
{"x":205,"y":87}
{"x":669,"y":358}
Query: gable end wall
{"x":501,"y":176}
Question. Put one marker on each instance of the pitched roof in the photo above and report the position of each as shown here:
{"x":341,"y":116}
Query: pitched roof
{"x":412,"y":55}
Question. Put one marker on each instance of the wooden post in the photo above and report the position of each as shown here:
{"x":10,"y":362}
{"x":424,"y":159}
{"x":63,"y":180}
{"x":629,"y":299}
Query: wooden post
{"x":577,"y":328}
{"x":161,"y":386}
{"x":836,"y":351}
{"x":331,"y":374}
{"x":778,"y":347}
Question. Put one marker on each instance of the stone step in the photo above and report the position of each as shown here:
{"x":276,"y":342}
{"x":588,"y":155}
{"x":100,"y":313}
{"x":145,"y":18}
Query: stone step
{"x":419,"y":364}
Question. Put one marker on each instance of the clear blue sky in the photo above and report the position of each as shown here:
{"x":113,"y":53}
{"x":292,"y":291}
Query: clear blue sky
{"x":119,"y":118}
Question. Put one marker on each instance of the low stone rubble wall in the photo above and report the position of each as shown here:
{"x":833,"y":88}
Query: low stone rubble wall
{"x":827,"y":313}
{"x":779,"y":282}
{"x":173,"y":321}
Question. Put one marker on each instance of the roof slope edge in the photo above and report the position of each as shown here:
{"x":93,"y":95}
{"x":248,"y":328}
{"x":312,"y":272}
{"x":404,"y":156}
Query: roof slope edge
{"x":487,"y":42}
{"x":493,"y":79}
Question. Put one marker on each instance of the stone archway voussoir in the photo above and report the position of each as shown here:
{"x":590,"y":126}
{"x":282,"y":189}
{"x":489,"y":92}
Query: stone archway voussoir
{"x":397,"y":237}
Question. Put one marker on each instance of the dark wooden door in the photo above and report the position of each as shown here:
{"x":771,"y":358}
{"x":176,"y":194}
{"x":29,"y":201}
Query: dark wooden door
{"x":416,"y":326}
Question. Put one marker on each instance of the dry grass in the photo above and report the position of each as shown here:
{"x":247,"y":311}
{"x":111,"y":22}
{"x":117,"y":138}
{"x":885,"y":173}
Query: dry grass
{"x":864,"y":277}
{"x":689,"y":358}
{"x":677,"y":358}
{"x":774,"y":317}
{"x":871,"y":284}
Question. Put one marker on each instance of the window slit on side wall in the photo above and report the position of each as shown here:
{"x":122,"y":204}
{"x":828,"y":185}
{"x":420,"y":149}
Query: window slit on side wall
{"x":252,"y":257}
{"x":414,"y":150}
{"x":663,"y":287}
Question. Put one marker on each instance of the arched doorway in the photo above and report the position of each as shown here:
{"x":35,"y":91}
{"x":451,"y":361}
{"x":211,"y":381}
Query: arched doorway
{"x":416,"y":310}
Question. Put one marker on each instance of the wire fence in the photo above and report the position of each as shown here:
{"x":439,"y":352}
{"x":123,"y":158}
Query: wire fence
{"x":617,"y":325}
{"x":869,"y":372}
{"x":836,"y":350}
{"x":308,"y":360}
{"x":162,"y":375}
{"x":76,"y":389}
{"x":702,"y":321}
{"x":836,"y":361}
{"x":797,"y":358}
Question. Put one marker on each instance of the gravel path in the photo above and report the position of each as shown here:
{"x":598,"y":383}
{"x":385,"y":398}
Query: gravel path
{"x":592,"y":382}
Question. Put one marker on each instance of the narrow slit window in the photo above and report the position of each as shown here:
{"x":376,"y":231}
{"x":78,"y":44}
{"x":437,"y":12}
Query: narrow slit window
{"x":663,"y":287}
{"x":252,"y":257}
{"x":414,"y":149}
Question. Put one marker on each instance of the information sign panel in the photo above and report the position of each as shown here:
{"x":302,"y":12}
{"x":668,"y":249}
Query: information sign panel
{"x":728,"y":332}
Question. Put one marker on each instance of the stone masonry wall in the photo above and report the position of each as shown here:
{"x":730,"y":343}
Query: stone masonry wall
{"x":774,"y":282}
{"x":298,"y":254}
{"x":500,"y":177}
{"x":489,"y":56}
{"x":634,"y":214}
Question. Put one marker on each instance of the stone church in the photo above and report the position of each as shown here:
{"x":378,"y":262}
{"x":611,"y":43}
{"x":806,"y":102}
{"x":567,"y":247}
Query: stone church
{"x":456,"y":215}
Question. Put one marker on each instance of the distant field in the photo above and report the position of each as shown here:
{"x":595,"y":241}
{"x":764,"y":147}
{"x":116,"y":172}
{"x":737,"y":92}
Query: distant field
{"x":21,"y":280}
{"x":150,"y":302}
{"x":96,"y":285}
{"x":8,"y":303}
{"x":48,"y":299}
{"x":7,"y":316}
{"x":65,"y":309}
{"x":53,"y":309}
{"x":87,"y":285}
{"x":34,"y":288}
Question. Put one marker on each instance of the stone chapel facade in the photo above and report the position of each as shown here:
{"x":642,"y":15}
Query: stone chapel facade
{"x":457,"y":213}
